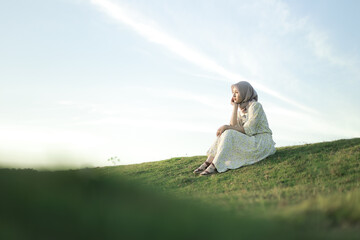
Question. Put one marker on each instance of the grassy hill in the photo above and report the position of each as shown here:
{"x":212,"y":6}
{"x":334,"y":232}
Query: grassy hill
{"x":303,"y":191}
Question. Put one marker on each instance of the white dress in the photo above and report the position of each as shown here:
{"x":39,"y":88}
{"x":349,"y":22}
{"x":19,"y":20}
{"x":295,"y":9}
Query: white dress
{"x":233,"y":149}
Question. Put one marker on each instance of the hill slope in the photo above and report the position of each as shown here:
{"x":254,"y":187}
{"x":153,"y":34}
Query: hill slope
{"x":301,"y":191}
{"x":289,"y":177}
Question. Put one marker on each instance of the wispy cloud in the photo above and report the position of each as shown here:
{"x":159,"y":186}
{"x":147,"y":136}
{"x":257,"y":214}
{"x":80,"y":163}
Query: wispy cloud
{"x":284,"y":22}
{"x":186,"y":95}
{"x":318,"y":39}
{"x":154,"y":34}
{"x":164,"y":94}
{"x":127,"y":116}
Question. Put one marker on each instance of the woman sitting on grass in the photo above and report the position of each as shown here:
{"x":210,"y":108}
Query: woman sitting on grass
{"x":248,"y":138}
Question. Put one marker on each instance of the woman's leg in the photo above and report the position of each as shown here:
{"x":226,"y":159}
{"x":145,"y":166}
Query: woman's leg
{"x":209,"y":170}
{"x":223,"y":148}
{"x":210,"y":159}
{"x":211,"y":155}
{"x":204,"y":165}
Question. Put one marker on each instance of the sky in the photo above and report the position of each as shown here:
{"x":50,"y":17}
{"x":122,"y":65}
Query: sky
{"x":83,"y":81}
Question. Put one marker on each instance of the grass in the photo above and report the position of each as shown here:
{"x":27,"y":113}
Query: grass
{"x":307,"y":191}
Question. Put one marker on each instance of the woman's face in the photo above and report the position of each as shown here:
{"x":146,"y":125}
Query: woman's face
{"x":236,"y":95}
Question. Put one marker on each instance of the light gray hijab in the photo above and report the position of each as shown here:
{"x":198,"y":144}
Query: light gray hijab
{"x":247,"y":94}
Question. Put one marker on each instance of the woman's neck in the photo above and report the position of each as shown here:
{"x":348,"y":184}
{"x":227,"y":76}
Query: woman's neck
{"x":247,"y":107}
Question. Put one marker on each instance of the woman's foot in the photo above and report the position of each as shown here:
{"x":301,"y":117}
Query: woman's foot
{"x":202,"y":167}
{"x":209,"y":170}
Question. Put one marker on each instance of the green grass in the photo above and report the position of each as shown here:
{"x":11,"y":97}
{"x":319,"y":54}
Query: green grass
{"x":307,"y":191}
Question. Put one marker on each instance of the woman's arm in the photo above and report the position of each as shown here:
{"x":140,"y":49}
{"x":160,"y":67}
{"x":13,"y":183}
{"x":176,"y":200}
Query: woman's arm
{"x":255,"y":113}
{"x":226,"y":127}
{"x":238,"y":128}
{"x":233,"y":119}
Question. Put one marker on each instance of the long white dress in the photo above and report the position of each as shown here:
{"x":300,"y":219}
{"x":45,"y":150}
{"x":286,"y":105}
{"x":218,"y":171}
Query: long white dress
{"x":233,"y":149}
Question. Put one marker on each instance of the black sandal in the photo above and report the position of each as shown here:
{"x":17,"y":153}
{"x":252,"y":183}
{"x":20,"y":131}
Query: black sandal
{"x":202,"y":167}
{"x":207,"y":172}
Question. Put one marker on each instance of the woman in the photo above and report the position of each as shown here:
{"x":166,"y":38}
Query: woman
{"x":248,"y":138}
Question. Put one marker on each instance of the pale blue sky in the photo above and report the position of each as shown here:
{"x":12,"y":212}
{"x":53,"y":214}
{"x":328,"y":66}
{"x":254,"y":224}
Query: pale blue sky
{"x":84,"y":80}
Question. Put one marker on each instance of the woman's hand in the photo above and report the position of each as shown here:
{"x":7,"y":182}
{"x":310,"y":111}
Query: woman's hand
{"x":232,"y":101}
{"x":221,"y":130}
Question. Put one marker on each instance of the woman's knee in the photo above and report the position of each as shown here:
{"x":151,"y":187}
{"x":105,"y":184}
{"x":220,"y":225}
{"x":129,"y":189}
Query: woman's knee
{"x":228,"y":132}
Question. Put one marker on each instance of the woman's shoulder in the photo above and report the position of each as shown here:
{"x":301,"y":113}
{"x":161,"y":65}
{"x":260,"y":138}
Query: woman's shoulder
{"x":255,"y":105}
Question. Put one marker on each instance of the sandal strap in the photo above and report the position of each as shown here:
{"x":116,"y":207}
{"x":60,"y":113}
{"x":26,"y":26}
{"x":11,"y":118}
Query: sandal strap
{"x":203,"y":167}
{"x":206,"y":165}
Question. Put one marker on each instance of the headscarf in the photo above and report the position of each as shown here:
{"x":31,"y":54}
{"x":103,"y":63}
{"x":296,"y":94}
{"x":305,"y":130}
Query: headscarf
{"x":247,"y":94}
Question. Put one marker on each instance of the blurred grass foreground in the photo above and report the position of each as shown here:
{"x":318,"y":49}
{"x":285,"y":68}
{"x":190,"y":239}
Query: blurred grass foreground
{"x":309,"y":191}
